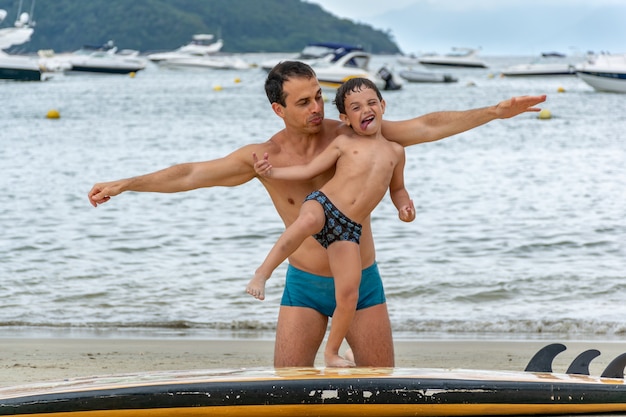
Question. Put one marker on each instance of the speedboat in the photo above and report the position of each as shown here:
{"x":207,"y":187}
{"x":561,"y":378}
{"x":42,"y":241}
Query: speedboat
{"x":18,"y":34}
{"x":604,"y":72}
{"x":210,"y":61}
{"x":103,"y":59}
{"x":551,"y":64}
{"x":201,"y":44}
{"x":20,"y":68}
{"x":459,"y":57}
{"x":410,"y":60}
{"x":421,"y":74}
{"x":312,"y":52}
{"x":201,"y":52}
{"x":17,"y":67}
{"x":415,"y":76}
{"x":351,"y":62}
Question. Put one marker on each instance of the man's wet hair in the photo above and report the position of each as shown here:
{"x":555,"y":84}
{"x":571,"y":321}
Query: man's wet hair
{"x":281,"y":73}
{"x":353,"y":85}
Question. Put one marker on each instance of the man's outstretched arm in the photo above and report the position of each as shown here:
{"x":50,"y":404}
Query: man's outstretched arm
{"x":438,"y":125}
{"x":228,"y":171}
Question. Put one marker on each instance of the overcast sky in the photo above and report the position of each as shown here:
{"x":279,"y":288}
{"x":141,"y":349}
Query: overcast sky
{"x":496,"y":26}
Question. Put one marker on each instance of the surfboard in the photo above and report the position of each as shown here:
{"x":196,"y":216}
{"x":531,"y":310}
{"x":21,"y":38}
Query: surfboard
{"x":332,"y":392}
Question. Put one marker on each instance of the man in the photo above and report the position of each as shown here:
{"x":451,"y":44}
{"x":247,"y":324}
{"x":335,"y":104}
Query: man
{"x":296,"y":97}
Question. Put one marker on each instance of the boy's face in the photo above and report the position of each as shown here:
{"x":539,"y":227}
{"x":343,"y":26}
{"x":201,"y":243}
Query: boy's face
{"x":364,"y":111}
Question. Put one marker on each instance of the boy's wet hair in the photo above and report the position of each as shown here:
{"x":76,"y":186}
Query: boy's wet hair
{"x":353,"y":85}
{"x":282,"y":72}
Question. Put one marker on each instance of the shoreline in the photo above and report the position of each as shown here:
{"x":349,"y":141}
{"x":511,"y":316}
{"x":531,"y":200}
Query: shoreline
{"x":31,"y":360}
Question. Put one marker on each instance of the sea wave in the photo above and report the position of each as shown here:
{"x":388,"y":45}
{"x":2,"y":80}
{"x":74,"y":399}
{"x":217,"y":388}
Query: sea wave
{"x":406,"y":330}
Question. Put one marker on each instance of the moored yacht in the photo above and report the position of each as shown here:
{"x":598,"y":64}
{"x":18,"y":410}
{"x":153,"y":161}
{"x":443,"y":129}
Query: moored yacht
{"x":551,"y":64}
{"x":17,"y":67}
{"x":313,"y":52}
{"x":459,"y":57}
{"x":20,"y":68}
{"x":604,"y":72}
{"x":352,"y":62}
{"x":104,"y":59}
{"x":201,"y":44}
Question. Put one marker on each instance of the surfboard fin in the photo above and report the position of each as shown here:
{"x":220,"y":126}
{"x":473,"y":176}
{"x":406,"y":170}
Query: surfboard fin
{"x":542,"y":361}
{"x":615,"y":369}
{"x":580,"y":365}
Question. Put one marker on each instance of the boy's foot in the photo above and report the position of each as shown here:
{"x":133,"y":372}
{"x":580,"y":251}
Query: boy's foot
{"x":349,"y":355}
{"x":256,"y":288}
{"x":336,"y":361}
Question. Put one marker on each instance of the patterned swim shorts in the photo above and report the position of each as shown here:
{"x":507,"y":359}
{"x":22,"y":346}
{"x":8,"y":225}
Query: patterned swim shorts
{"x":337,"y":227}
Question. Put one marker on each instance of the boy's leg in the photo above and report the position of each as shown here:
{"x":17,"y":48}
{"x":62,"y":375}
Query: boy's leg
{"x":309,"y":221}
{"x":345,"y":263}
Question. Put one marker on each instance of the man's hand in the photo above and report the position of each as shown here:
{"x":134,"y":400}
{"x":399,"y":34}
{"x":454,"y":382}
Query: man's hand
{"x":518,"y":105}
{"x":102,"y":192}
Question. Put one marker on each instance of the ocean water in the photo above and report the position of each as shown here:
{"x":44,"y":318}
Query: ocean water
{"x":520,"y":231}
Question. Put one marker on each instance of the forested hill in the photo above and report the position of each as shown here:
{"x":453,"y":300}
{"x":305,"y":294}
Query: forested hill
{"x":150,"y":25}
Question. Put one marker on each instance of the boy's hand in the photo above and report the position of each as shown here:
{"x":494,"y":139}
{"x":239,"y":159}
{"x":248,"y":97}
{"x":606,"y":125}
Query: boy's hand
{"x":407,"y":213}
{"x":262,"y":166}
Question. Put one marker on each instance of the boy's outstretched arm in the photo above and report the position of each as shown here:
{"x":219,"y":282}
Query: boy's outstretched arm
{"x":438,"y":125}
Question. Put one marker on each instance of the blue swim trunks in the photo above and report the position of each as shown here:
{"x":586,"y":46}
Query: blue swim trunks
{"x":303,"y":289}
{"x":337,"y":226}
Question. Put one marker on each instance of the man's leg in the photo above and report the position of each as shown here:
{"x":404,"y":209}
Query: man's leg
{"x":299,"y":334}
{"x":370,"y":337}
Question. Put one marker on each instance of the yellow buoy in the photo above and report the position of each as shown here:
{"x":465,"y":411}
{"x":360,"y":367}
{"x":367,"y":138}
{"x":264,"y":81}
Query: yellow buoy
{"x":131,"y":74}
{"x":53,"y":114}
{"x":217,"y":88}
{"x":544,"y":114}
{"x":237,"y":80}
{"x":560,"y":90}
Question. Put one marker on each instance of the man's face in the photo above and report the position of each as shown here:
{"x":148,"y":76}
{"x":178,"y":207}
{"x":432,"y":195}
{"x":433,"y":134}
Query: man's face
{"x":304,"y":108}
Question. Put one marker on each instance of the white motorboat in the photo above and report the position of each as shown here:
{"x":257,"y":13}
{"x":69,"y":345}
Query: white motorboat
{"x":459,"y":57}
{"x":408,"y":60}
{"x":415,"y":76}
{"x":551,"y":64}
{"x":311,"y":53}
{"x":604,"y":72}
{"x":201,"y":52}
{"x":217,"y":61}
{"x":18,"y":34}
{"x":20,"y":68}
{"x":17,"y":67}
{"x":201,"y":44}
{"x":351,"y":62}
{"x":103,"y":59}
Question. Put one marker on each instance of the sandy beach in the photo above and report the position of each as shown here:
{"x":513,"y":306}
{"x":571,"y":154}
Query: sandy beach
{"x":27,"y":360}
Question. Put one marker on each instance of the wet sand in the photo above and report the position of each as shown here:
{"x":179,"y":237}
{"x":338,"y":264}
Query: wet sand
{"x":26,"y":360}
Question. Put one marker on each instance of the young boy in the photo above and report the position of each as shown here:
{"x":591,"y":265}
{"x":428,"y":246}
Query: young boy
{"x":366,"y":165}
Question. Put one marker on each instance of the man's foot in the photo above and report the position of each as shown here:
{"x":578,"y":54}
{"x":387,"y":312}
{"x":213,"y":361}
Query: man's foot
{"x":256,"y":287}
{"x":336,"y":361}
